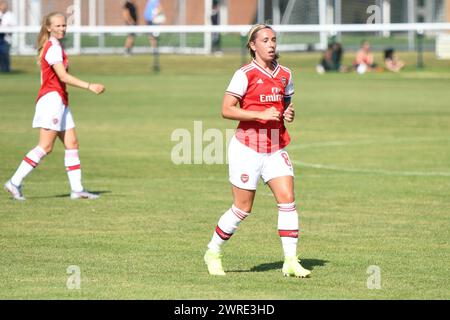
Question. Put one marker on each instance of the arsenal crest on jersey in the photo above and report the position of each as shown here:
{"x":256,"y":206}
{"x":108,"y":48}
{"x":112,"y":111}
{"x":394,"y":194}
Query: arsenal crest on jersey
{"x":284,"y":81}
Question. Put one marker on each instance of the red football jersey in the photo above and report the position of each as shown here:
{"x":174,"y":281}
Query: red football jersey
{"x":53,"y":53}
{"x":257,"y":90}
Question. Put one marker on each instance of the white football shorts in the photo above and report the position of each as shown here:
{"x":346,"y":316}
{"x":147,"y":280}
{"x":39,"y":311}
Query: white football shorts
{"x":51,"y":113}
{"x":246,"y":165}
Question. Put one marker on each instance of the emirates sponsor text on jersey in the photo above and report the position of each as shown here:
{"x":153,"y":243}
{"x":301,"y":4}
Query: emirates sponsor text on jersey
{"x":274,"y":97}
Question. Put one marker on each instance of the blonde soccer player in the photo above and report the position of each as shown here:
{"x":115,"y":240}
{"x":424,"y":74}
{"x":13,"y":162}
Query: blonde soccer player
{"x":263,"y":89}
{"x":52,"y":115}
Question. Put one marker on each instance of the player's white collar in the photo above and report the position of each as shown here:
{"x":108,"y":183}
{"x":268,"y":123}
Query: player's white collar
{"x":273,"y":74}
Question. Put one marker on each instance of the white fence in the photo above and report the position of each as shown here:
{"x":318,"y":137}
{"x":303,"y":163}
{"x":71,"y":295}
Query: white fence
{"x":322,"y":33}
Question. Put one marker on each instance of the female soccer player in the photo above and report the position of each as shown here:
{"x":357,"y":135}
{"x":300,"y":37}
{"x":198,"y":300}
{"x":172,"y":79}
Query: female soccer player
{"x":52,"y":114}
{"x":263,"y":88}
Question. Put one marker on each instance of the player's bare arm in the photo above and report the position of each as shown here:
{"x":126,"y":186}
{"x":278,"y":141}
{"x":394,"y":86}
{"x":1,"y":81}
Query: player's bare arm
{"x":127,"y":17}
{"x":231,"y":111}
{"x":67,"y":78}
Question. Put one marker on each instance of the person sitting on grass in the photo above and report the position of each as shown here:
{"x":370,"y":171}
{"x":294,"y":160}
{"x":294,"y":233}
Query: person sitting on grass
{"x":364,"y":61}
{"x":391,"y":62}
{"x":331,"y":59}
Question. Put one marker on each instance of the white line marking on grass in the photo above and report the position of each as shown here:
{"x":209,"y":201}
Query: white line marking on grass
{"x":368,"y":142}
{"x":371,"y":171}
{"x":339,"y":143}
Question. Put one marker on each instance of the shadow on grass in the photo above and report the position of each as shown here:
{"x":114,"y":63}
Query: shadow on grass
{"x":67,"y":195}
{"x":306,"y":263}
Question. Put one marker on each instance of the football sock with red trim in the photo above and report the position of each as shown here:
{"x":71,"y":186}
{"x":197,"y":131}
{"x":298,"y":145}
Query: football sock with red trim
{"x":73,"y":168}
{"x":30,"y":162}
{"x":288,"y":228}
{"x":226,"y":227}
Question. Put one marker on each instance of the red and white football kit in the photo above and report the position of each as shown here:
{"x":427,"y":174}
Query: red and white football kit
{"x":257,"y":90}
{"x":257,"y":149}
{"x":52,"y":111}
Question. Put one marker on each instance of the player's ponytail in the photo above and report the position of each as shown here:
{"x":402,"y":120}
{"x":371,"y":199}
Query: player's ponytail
{"x":44,"y":35}
{"x":252,"y":37}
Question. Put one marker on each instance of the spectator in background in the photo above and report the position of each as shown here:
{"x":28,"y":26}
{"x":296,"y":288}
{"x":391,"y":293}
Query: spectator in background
{"x":332,"y":59}
{"x":6,"y":20}
{"x":215,"y":22}
{"x":391,"y":62}
{"x":130,"y":17}
{"x":364,"y":61}
{"x":154,"y":15}
{"x":326,"y":61}
{"x":336,"y":56}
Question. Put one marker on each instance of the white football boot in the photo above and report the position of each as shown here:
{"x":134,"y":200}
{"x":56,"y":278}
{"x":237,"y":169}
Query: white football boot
{"x":15,"y":191}
{"x":83,"y":195}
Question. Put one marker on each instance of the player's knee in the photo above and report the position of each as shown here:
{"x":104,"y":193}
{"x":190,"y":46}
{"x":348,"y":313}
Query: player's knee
{"x":72,"y":144}
{"x":286,"y":197}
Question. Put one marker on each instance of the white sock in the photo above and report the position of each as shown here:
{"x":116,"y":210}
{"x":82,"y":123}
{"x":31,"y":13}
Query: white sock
{"x":288,"y":228}
{"x":226,"y":227}
{"x":73,"y":168}
{"x":30,"y":162}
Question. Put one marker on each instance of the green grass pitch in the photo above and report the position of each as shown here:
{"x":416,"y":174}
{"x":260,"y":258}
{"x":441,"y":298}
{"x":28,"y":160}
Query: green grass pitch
{"x":372,"y":164}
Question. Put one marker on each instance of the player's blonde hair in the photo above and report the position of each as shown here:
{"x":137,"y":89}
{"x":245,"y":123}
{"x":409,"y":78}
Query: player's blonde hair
{"x":252,"y":37}
{"x":44,"y":35}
